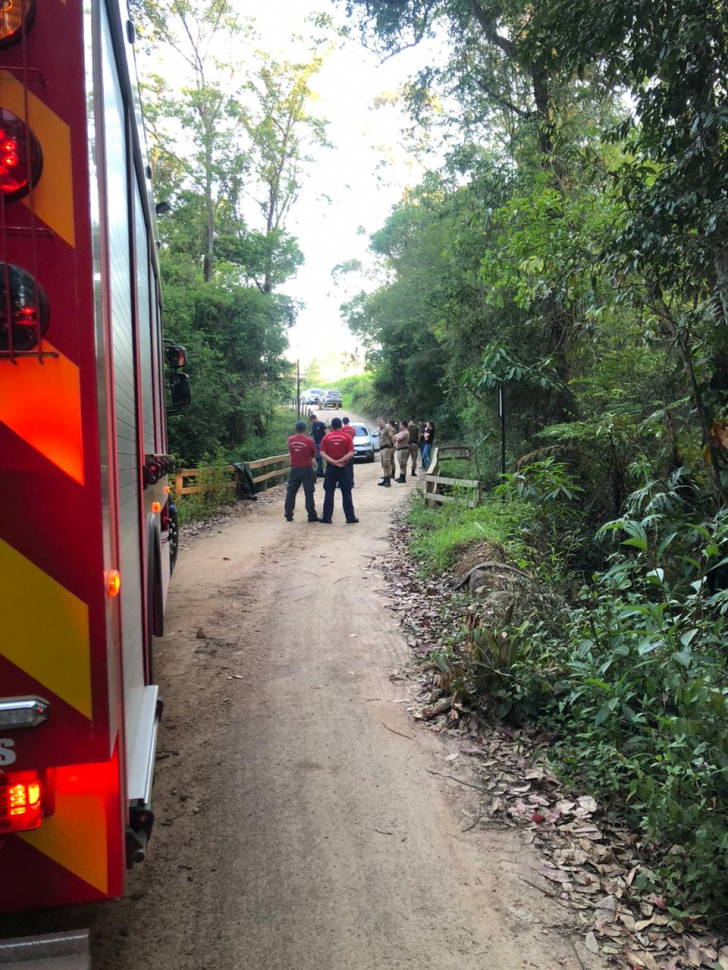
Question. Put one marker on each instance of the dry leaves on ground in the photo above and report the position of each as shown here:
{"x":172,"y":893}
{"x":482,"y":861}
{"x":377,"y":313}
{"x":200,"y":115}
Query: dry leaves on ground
{"x":590,"y":864}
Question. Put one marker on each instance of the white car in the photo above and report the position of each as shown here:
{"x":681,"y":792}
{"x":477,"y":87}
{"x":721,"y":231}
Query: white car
{"x":313,"y":397}
{"x":363,"y":442}
{"x":332,"y":399}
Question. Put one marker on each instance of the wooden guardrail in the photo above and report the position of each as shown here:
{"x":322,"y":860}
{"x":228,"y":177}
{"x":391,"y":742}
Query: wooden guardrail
{"x":283,"y":460}
{"x":433,"y":479}
{"x":185,"y":475}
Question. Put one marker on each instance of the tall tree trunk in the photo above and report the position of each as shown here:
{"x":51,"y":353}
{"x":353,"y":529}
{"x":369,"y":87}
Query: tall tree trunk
{"x":542,"y":97}
{"x":721,"y":280}
{"x":209,"y":258}
{"x":681,"y":342}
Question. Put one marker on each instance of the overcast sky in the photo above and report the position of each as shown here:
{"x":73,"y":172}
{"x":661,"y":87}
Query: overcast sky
{"x":351,"y":187}
{"x":361,"y":192}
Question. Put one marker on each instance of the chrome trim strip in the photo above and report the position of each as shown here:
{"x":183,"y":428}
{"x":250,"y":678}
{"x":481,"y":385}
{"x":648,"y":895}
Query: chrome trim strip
{"x":37,"y":706}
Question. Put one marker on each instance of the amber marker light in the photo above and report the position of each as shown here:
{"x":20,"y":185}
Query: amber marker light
{"x":113,"y":583}
{"x":166,"y":489}
{"x":156,"y":507}
{"x":20,"y":802}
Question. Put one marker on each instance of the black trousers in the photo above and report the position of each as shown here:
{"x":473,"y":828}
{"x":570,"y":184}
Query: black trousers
{"x":296,"y":478}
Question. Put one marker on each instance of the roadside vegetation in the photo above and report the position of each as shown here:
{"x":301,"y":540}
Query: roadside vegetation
{"x":624,"y":668}
{"x":214,"y":478}
{"x":569,"y":258}
{"x":230,"y":140}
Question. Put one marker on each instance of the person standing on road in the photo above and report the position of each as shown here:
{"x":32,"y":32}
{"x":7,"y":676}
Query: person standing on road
{"x":401,"y":443}
{"x":414,"y":443}
{"x":337,"y":449}
{"x":303,"y":452}
{"x":428,"y":440}
{"x":386,"y":453}
{"x":318,"y":430}
{"x":347,"y":429}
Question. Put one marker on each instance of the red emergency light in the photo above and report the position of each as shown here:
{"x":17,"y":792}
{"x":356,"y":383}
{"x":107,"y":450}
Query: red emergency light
{"x":21,"y":802}
{"x":25,"y":301}
{"x":21,"y":158}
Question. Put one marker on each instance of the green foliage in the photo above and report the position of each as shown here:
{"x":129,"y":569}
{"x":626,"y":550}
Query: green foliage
{"x":440,"y":535}
{"x":567,"y":254}
{"x":359,"y":394}
{"x":546,"y":483}
{"x":632,"y":684}
{"x":216,"y":491}
{"x":274,"y":439}
{"x":215,"y":481}
{"x":222,"y":131}
{"x":235,"y":337}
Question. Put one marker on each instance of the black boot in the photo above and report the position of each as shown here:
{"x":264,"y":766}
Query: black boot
{"x":414,"y":473}
{"x":401,"y":480}
{"x":387,"y":483}
{"x":384,"y":481}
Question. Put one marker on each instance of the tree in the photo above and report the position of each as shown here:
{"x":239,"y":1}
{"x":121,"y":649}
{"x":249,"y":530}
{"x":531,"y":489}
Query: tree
{"x":215,"y":140}
{"x":205,"y":105}
{"x":313,"y":374}
{"x":280,"y":130}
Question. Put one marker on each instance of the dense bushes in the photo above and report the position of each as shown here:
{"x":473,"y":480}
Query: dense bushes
{"x":632,"y":680}
{"x":359,"y":394}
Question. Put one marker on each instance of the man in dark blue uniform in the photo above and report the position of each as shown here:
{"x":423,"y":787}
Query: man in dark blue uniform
{"x":347,"y":429}
{"x":338,"y":450}
{"x":318,"y":430}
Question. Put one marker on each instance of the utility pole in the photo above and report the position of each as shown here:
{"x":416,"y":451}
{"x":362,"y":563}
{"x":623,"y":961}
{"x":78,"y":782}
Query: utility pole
{"x":298,"y":389}
{"x":502,"y":416}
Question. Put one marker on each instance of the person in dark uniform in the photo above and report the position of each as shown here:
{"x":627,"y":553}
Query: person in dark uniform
{"x":318,"y":430}
{"x":347,"y":429}
{"x":303,"y":452}
{"x":337,"y":449}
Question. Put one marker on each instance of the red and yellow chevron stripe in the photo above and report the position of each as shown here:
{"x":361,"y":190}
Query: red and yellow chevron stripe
{"x":51,"y":595}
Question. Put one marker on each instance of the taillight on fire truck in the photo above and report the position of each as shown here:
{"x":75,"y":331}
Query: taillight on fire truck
{"x":16,"y":18}
{"x":21,"y":801}
{"x":21,"y":158}
{"x":24,"y":309}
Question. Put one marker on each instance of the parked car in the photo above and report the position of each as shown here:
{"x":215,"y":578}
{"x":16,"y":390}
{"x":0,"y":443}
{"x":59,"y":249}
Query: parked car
{"x":332,"y":399}
{"x":313,"y":397}
{"x":363,"y":442}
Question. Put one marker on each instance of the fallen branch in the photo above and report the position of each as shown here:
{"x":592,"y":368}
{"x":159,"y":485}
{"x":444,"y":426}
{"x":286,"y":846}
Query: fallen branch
{"x":408,"y":736}
{"x":576,"y":953}
{"x":459,"y":781}
{"x":540,"y":888}
{"x":472,"y":826}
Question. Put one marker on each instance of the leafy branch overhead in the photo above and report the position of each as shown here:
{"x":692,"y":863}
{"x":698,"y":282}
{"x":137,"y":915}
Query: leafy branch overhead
{"x":231,"y":140}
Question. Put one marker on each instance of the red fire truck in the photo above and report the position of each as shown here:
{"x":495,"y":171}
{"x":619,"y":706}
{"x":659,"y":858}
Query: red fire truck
{"x":87,"y":530}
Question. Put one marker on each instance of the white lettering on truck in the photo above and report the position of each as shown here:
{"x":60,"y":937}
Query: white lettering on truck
{"x":7,"y":755}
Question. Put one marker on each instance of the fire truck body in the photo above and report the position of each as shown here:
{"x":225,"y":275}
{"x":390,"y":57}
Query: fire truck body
{"x":86,"y":524}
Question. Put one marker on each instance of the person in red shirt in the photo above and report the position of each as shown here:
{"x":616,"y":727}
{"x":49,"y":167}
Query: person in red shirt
{"x":347,"y":429}
{"x":302,"y":450}
{"x":337,"y":449}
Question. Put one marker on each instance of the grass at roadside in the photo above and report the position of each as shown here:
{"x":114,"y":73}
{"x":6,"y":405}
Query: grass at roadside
{"x":441,"y":534}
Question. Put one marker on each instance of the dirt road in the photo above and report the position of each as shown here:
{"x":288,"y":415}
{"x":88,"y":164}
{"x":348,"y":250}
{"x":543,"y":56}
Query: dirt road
{"x":295,"y":830}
